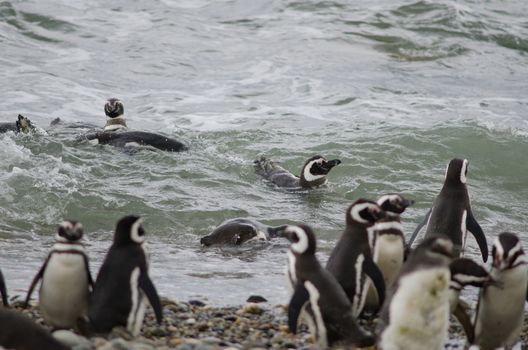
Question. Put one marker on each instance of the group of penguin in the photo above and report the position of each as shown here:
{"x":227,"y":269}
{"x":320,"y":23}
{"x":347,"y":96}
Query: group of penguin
{"x":371,"y":271}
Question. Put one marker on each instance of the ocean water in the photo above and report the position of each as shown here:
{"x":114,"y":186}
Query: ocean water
{"x":394,"y":89}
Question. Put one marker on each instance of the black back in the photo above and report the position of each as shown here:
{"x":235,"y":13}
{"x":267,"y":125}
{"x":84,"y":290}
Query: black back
{"x":120,"y":139}
{"x":3,"y":290}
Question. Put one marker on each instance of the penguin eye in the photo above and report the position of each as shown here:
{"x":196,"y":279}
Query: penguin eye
{"x":141,"y":231}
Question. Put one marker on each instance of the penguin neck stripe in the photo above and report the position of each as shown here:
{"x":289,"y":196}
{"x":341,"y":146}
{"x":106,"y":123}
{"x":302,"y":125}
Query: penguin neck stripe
{"x":463,"y":171}
{"x":302,"y":245}
{"x":308,"y":176}
{"x":354,"y":212}
{"x":134,"y":232}
{"x":389,"y":225}
{"x":68,"y":247}
{"x":387,"y":197}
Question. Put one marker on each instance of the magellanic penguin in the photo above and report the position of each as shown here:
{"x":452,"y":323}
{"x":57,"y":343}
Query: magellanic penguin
{"x":313,"y":172}
{"x":351,"y":260}
{"x":123,"y":283}
{"x":331,"y":318}
{"x":389,"y":244}
{"x":500,"y":309}
{"x":241,"y":230}
{"x":415,"y":315}
{"x":66,"y":279}
{"x":17,"y":331}
{"x":3,"y":290}
{"x":115,"y":111}
{"x":22,"y":124}
{"x":451,"y":211}
{"x":465,"y":272}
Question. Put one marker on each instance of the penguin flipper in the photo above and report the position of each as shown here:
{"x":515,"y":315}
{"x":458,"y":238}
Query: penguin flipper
{"x":150,"y":291}
{"x":3,"y":290}
{"x":297,"y":301}
{"x":87,"y":267}
{"x":473,"y":227}
{"x":374,"y":273}
{"x":37,"y":277}
{"x":418,"y":228}
{"x":464,"y":319}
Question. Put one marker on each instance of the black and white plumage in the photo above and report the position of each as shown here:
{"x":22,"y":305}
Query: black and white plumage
{"x":17,"y":331}
{"x":3,"y":290}
{"x":241,"y":230}
{"x":114,"y":110}
{"x":451,"y":211}
{"x":22,"y":124}
{"x":415,"y":315}
{"x":389,"y":244}
{"x":500,"y":309}
{"x":351,"y":261}
{"x":330,"y":315}
{"x":66,"y":279}
{"x":123,"y":283}
{"x":135,"y":139}
{"x":313,"y":172}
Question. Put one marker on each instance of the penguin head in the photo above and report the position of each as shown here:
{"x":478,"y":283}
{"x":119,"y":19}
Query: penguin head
{"x":364,"y":212}
{"x":507,"y":252}
{"x":394,"y":203}
{"x":114,"y":108}
{"x":129,"y":230}
{"x":456,"y":171}
{"x":466,"y":272}
{"x":23,"y":124}
{"x":302,"y":238}
{"x":439,"y":247}
{"x":317,"y":168}
{"x":69,"y":231}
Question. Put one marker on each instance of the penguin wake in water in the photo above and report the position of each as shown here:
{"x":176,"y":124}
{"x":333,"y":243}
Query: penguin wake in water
{"x":451,"y":211}
{"x":123,"y":283}
{"x":331,"y":319}
{"x":3,"y":290}
{"x":21,"y":125}
{"x":66,"y":279}
{"x":313,"y":172}
{"x":241,"y":230}
{"x":115,"y":132}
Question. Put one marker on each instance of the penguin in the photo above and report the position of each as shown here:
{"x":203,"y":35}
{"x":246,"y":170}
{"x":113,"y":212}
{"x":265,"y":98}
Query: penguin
{"x":3,"y":290}
{"x":313,"y":172}
{"x":389,"y":244}
{"x":123,"y":283}
{"x":500,"y":309}
{"x":21,"y":125}
{"x":451,"y":211}
{"x":351,"y":259}
{"x":465,"y":272}
{"x":415,"y":314}
{"x":331,"y":318}
{"x":134,"y":138}
{"x":115,"y":111}
{"x":17,"y":331}
{"x":66,"y":279}
{"x":241,"y":230}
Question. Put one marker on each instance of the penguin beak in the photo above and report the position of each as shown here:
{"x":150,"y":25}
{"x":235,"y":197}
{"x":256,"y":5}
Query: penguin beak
{"x":379,"y":214}
{"x":407,"y":203}
{"x":278,"y":232}
{"x":330,"y":164}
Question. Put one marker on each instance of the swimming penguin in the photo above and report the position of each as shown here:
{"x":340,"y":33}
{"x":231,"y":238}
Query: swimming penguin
{"x":415,"y":315}
{"x":500,"y":308}
{"x":313,"y":172}
{"x":351,"y":260}
{"x":465,"y":272}
{"x":134,"y":138}
{"x":66,"y":279}
{"x":331,"y":318}
{"x":115,"y":111}
{"x":389,"y":244}
{"x":238,"y":231}
{"x":451,"y":212}
{"x":22,"y":124}
{"x":3,"y":290}
{"x":17,"y":331}
{"x":123,"y":283}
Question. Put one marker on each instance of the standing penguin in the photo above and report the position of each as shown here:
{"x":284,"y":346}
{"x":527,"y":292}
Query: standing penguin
{"x":500,"y":309}
{"x":451,"y":212}
{"x":351,"y":260}
{"x":66,"y":279}
{"x":389,"y":244}
{"x":415,"y":315}
{"x":118,"y":298}
{"x":330,"y":316}
{"x":313,"y":172}
{"x":3,"y":290}
{"x":115,"y":111}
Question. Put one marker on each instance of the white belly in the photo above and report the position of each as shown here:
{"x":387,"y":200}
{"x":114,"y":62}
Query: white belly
{"x":500,"y":315}
{"x":64,"y":290}
{"x":388,"y":255}
{"x":419,"y":312}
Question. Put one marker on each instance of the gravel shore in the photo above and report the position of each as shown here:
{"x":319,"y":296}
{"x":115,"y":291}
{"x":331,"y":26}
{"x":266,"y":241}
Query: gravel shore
{"x":193,"y":325}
